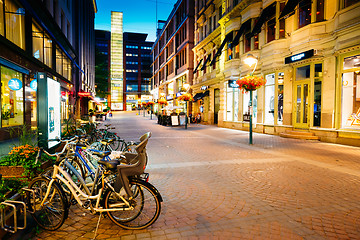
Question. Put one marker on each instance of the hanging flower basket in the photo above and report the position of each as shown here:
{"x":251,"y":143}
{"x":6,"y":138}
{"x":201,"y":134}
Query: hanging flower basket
{"x":144,"y":104}
{"x":150,"y":103}
{"x":185,"y":97}
{"x":162,"y":101}
{"x":251,"y":83}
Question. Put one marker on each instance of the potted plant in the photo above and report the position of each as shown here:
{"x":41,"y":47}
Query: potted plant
{"x":92,"y":115}
{"x":5,"y":116}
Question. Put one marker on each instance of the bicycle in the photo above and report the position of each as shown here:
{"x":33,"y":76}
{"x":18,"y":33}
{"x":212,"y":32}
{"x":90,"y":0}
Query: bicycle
{"x":129,"y":202}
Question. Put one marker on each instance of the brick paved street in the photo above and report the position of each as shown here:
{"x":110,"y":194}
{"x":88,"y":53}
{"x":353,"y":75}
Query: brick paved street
{"x":216,"y":186}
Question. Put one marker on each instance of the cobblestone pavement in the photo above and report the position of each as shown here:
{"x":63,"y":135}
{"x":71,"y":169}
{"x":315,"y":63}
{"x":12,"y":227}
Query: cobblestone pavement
{"x":216,"y":186}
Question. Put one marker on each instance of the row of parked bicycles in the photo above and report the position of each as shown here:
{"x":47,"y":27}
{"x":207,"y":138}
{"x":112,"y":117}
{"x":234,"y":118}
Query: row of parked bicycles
{"x":100,"y":172}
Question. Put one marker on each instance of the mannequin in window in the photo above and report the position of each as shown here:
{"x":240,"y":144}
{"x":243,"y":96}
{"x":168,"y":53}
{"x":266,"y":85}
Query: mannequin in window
{"x":280,"y":107}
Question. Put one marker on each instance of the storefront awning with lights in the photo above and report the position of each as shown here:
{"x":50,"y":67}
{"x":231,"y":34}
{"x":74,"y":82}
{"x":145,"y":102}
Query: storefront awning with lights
{"x":265,"y":15}
{"x":227,"y":38}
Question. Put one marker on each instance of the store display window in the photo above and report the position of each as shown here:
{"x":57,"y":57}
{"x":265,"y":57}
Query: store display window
{"x":350,"y":94}
{"x":280,"y":98}
{"x":232,"y":104}
{"x":246,"y":106}
{"x":12,"y":98}
{"x":269,"y":98}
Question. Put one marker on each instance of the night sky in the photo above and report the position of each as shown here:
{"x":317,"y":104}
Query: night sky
{"x":139,"y":15}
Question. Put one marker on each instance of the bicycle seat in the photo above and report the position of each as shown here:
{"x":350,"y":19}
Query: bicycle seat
{"x":127,"y":170}
{"x":107,"y":125}
{"x":107,"y":140}
{"x":110,"y":165}
{"x":101,"y":154}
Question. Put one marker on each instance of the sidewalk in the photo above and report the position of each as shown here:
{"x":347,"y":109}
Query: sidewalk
{"x":217,"y":186}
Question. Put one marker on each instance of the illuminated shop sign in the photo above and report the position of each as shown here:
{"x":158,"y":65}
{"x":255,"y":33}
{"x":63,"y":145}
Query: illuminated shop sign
{"x":33,"y":84}
{"x":84,"y":94}
{"x":54,"y":117}
{"x":232,"y":84}
{"x":15,"y":84}
{"x":204,"y":88}
{"x":300,"y":56}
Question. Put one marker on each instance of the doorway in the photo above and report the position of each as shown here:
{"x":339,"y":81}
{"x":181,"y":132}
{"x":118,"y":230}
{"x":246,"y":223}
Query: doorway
{"x":216,"y":104}
{"x":301,"y":111}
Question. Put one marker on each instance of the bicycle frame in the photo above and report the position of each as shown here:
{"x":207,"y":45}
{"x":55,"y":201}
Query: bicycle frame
{"x":78,"y":193}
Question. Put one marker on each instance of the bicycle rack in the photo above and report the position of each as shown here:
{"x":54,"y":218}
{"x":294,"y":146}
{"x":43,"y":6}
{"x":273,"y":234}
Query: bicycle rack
{"x":15,"y":205}
{"x":10,"y":208}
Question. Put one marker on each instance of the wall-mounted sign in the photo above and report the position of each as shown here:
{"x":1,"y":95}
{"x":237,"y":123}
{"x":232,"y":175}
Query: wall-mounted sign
{"x":204,"y":88}
{"x":33,"y":84}
{"x":84,"y":94}
{"x":300,"y":56}
{"x":15,"y":84}
{"x":232,"y":84}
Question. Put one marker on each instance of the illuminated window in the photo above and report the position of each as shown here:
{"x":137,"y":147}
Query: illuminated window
{"x":15,"y":23}
{"x":12,"y":106}
{"x":2,"y":18}
{"x":42,"y":45}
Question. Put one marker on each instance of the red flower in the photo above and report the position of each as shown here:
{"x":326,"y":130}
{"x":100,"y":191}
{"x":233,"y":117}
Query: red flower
{"x":250,"y":83}
{"x":185,"y":97}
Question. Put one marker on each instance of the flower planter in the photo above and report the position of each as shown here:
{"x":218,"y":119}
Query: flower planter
{"x":17,"y":171}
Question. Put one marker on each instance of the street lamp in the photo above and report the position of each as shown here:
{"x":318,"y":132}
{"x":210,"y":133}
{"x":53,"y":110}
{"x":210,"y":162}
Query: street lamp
{"x":251,"y":60}
{"x":187,"y":87}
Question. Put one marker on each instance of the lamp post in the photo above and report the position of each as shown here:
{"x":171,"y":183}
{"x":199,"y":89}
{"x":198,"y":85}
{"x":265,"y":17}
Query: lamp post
{"x":251,"y":60}
{"x":187,"y":87}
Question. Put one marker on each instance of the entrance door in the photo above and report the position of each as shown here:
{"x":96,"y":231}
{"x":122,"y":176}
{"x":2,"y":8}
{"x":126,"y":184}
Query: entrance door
{"x":302,"y":109}
{"x":216,"y":105}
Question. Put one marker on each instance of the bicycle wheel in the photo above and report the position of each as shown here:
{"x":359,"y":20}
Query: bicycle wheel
{"x":53,"y":213}
{"x":116,"y":143}
{"x":145,"y":203}
{"x":130,"y":147}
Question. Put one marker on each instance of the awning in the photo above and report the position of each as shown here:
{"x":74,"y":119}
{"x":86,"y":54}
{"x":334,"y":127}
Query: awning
{"x":201,"y":95}
{"x":227,"y":38}
{"x":206,"y":61}
{"x":265,"y":15}
{"x":96,"y":102}
{"x":197,"y":96}
{"x":197,"y":66}
{"x":239,"y":34}
{"x":289,"y":8}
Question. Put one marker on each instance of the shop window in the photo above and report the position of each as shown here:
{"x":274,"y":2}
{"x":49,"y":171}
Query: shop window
{"x":246,"y":106}
{"x":280,"y":98}
{"x":269,"y":98}
{"x":350,"y":98}
{"x":30,"y":99}
{"x":12,"y":99}
{"x":319,"y":10}
{"x":232,"y":104}
{"x":256,"y":41}
{"x":317,"y":94}
{"x":15,"y":23}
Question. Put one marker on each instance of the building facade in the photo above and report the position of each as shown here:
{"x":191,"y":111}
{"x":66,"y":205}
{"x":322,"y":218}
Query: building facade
{"x":308,"y":52}
{"x":172,"y":53}
{"x":41,"y":36}
{"x":102,"y":63}
{"x":137,"y":72}
{"x":117,"y":62}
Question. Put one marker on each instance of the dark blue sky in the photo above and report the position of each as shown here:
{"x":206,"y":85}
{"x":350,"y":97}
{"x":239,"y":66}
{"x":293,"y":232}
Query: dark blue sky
{"x":139,"y":15}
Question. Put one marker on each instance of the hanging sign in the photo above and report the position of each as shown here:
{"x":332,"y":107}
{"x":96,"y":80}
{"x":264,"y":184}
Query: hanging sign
{"x":300,"y":56}
{"x":33,"y":84}
{"x":232,"y":84}
{"x":204,"y":87}
{"x":15,"y":84}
